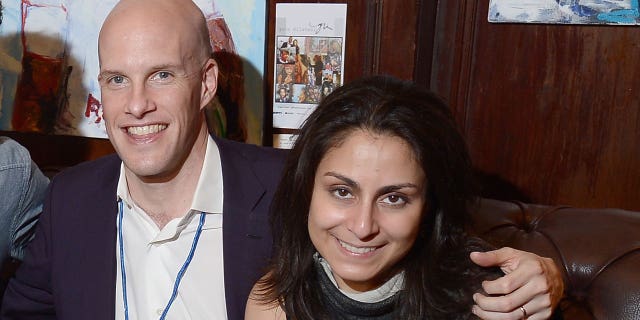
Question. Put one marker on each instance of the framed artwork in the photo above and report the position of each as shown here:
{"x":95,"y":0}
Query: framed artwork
{"x":309,"y":54}
{"x":49,"y":66}
{"x":617,"y":12}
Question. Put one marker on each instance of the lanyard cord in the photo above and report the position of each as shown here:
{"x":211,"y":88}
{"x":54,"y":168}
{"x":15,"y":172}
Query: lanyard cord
{"x":174,"y":294}
{"x":122,"y":270}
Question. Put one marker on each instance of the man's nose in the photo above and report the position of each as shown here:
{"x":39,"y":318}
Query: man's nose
{"x":140,"y":102}
{"x":362,"y":221}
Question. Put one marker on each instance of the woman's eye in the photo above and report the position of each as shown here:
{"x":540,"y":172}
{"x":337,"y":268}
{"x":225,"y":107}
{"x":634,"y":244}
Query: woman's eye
{"x":342,"y":193}
{"x":395,"y":200}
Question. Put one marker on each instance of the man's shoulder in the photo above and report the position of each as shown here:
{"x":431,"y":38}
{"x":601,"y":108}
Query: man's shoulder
{"x":95,"y":171}
{"x":264,"y":163}
{"x":251,"y":152}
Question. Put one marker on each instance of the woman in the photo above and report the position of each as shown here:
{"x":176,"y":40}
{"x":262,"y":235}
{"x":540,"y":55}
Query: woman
{"x":371,"y":212}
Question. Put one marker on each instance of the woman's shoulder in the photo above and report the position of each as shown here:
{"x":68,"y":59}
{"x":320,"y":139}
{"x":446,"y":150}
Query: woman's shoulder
{"x":258,"y":307}
{"x":257,"y":310}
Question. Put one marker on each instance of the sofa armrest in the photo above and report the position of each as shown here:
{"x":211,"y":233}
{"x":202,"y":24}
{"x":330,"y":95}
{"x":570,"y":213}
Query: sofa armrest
{"x":597,"y":249}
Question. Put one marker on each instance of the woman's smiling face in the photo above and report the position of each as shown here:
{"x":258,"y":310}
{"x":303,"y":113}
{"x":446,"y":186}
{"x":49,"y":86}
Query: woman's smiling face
{"x":366,"y":208}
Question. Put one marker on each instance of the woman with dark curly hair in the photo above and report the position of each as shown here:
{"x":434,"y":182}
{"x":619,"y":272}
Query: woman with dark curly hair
{"x":369,"y":218}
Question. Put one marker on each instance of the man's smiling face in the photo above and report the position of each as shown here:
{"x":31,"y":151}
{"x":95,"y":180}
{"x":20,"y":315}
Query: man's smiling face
{"x":152,"y":84}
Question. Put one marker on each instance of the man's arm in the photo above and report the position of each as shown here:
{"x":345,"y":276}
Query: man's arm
{"x":24,"y":222}
{"x":28,"y":295}
{"x":23,"y":188}
{"x":530,"y":289}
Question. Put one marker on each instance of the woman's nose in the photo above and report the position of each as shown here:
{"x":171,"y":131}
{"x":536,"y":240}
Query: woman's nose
{"x":362,"y":222}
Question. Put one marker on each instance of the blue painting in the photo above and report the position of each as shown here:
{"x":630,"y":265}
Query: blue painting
{"x":49,"y":66}
{"x":616,"y":12}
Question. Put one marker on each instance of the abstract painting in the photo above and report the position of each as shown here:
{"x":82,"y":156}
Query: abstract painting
{"x":616,"y":12}
{"x":49,"y":66}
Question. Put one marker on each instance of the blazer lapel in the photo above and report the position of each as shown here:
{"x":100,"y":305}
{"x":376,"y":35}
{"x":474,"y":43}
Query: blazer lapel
{"x":242,"y":232}
{"x":97,"y":280}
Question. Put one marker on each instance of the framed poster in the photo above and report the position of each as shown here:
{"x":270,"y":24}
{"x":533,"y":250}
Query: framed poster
{"x":308,"y":63}
{"x":620,"y":12}
{"x":49,"y":66}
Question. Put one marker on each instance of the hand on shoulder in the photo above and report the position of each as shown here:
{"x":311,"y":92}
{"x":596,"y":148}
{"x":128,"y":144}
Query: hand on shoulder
{"x":531,"y":288}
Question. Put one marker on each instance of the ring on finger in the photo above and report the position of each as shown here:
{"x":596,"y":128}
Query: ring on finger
{"x":524,"y":312}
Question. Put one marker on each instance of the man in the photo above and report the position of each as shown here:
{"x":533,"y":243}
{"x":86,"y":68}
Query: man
{"x":118,"y":234}
{"x":156,"y":77}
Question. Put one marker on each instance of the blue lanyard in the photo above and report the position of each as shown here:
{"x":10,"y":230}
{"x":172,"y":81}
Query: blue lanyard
{"x":196,"y":237}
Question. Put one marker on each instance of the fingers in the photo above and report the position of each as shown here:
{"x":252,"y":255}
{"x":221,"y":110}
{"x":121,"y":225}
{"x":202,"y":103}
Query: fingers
{"x":526,"y":271}
{"x":505,"y":258}
{"x":533,"y":294}
{"x":530,"y":281}
{"x":538,"y":308}
{"x":533,"y":276}
{"x":508,"y":302}
{"x":489,"y":315}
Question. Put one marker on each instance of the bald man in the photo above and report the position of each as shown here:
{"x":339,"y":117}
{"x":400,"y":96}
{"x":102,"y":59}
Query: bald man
{"x":176,"y":224}
{"x":118,"y":234}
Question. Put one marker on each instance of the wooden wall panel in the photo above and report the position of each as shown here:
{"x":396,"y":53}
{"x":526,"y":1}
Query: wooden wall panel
{"x":398,"y":38}
{"x":550,"y":111}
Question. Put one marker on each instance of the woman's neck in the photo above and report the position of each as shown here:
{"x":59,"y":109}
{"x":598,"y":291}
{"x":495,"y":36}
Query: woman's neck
{"x":379,"y":293}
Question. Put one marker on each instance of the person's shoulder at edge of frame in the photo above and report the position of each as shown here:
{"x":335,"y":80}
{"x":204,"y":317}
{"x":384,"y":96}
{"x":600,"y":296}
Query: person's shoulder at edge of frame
{"x":12,"y":152}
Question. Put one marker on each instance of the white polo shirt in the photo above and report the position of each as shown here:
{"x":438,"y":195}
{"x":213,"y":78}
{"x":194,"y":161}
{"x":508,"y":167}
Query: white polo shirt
{"x":153,"y":257}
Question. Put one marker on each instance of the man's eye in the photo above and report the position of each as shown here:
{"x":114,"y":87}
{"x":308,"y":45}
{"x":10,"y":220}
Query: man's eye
{"x":117,"y":79}
{"x":161,"y":76}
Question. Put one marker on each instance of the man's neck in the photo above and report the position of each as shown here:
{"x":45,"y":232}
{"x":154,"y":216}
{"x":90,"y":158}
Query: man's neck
{"x":163,"y":200}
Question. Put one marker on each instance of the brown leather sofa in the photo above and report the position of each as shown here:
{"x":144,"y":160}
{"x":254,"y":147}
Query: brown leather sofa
{"x":598,"y":250}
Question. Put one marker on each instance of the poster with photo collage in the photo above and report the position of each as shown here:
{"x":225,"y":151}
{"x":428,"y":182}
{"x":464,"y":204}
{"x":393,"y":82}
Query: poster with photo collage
{"x":308,"y":61}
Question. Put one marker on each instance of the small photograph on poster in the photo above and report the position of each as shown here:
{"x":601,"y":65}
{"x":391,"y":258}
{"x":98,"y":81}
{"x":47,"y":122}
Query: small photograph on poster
{"x":309,"y":59}
{"x":284,"y":93}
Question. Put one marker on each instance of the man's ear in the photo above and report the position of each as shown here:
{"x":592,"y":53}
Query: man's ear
{"x":209,"y":82}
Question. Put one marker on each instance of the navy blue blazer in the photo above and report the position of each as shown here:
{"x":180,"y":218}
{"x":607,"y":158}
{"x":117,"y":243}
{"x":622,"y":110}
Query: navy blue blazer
{"x":69,"y":271}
